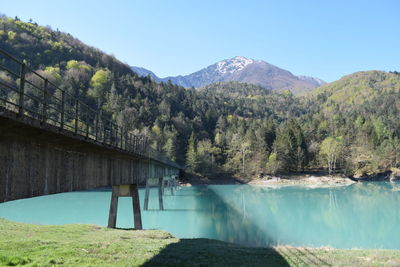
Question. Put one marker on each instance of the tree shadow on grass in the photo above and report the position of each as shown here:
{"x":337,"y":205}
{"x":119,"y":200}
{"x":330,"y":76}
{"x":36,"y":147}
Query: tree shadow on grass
{"x":207,"y":252}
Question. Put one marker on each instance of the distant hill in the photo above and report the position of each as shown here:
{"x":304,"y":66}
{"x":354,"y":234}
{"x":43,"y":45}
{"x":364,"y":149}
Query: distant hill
{"x":42,"y":46}
{"x":357,"y":89}
{"x":317,"y":82}
{"x":145,"y":72}
{"x":363,"y":110}
{"x":245,"y":70}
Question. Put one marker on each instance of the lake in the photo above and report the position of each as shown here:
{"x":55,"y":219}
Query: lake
{"x":365,"y":215}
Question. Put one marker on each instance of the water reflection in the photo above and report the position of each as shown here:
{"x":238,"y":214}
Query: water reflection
{"x":361,"y":215}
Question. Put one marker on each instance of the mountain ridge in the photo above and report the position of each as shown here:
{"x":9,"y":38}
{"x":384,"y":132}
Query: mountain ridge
{"x":240,"y":69}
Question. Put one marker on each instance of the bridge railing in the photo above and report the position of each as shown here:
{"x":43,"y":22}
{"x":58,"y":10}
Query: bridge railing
{"x":30,"y":93}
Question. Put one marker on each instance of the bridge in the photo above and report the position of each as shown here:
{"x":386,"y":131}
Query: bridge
{"x":52,"y":142}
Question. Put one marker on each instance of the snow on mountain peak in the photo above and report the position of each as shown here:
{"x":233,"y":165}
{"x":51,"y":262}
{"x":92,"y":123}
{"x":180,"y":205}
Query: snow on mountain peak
{"x":232,"y":65}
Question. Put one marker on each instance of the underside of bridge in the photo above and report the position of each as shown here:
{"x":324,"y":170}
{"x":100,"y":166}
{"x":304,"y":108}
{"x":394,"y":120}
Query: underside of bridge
{"x":51,"y":142}
{"x":39,"y":159}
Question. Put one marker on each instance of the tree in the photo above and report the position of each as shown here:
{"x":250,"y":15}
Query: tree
{"x":273,"y":165}
{"x":11,"y":35}
{"x":244,"y":150}
{"x":169,"y":148}
{"x":113,"y":100}
{"x":192,"y":158}
{"x":218,"y":139}
{"x":290,"y":146}
{"x":330,"y":150}
{"x":99,"y":84}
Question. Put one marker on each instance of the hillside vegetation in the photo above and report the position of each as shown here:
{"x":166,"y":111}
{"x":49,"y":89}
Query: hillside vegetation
{"x":362,"y":109}
{"x":350,"y":125}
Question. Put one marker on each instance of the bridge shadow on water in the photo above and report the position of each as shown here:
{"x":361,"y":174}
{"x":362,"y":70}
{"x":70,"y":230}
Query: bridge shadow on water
{"x":243,"y":242}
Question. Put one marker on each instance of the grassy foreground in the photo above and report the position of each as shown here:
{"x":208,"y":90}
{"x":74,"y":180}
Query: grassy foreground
{"x":90,"y":245}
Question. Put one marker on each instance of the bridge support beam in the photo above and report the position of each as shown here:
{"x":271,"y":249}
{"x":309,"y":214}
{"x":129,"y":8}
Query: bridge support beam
{"x":130,"y":190}
{"x":171,"y":183}
{"x":149,"y":184}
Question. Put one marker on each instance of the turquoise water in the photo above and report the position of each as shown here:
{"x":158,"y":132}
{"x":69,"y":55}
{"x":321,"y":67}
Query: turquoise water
{"x":358,"y":216}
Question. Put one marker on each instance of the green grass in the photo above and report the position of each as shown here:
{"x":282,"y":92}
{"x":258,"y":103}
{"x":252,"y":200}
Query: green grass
{"x":90,"y":245}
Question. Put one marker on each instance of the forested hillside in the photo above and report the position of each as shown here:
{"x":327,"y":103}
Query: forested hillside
{"x":226,"y":128}
{"x":362,"y":110}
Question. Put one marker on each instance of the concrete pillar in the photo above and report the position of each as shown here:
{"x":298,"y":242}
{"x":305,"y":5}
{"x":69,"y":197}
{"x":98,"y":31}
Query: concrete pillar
{"x":146,"y":196}
{"x":160,"y":193}
{"x":136,"y":206}
{"x":112,"y":217}
{"x":130,"y":190}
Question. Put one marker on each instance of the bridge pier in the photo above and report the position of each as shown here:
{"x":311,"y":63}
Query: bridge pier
{"x":171,"y":183}
{"x":130,"y":190}
{"x":160,"y":188}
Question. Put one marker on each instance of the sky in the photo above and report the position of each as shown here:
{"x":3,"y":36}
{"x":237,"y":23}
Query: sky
{"x":322,"y":38}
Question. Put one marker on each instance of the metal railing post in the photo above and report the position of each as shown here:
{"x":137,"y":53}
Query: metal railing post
{"x":105,"y":132}
{"x":96,"y":126}
{"x":76,"y":115}
{"x":62,"y":109}
{"x":130,"y":142}
{"x":135,"y":143}
{"x":110,"y":133}
{"x":44,"y":111}
{"x":21,"y":90}
{"x":121,"y":136}
{"x":115,"y":140}
{"x":87,"y":122}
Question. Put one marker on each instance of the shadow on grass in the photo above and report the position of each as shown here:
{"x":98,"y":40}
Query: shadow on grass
{"x":207,"y":252}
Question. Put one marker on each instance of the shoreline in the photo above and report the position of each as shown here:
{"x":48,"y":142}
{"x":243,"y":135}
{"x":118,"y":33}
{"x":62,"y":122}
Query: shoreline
{"x":304,"y":180}
{"x":311,"y":180}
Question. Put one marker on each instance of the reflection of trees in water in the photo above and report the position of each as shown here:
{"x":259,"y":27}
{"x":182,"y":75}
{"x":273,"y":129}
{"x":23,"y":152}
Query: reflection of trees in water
{"x":375,"y":207}
{"x":228,"y":221}
{"x":361,"y":215}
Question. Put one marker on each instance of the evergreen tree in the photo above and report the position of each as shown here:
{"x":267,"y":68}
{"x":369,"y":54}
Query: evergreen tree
{"x":169,"y":148}
{"x":192,"y":158}
{"x":290,"y":147}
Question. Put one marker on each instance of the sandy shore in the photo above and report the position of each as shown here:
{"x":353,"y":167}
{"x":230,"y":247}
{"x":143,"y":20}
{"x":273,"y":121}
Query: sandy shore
{"x":307,"y":180}
{"x":310,"y":180}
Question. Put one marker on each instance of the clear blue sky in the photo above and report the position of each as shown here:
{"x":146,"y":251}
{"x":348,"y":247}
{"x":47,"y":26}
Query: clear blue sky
{"x":321,"y":38}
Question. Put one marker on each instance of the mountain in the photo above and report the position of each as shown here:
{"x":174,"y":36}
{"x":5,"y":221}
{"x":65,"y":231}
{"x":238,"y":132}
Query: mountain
{"x":245,"y":70}
{"x":317,"y":82}
{"x":145,"y":72}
